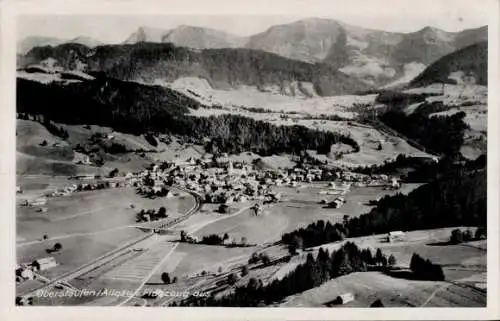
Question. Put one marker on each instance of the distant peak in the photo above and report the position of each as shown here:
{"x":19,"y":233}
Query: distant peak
{"x":430,"y":29}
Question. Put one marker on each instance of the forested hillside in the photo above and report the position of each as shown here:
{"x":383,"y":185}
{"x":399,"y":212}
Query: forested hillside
{"x":471,"y":60}
{"x":134,"y":108}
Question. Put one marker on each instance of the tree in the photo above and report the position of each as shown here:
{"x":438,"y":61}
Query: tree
{"x":232,"y":278}
{"x":45,"y":236}
{"x":57,"y":247}
{"x":183,"y":236}
{"x":243,"y":240}
{"x":225,"y":237}
{"x":265,"y":258}
{"x":296,"y":244}
{"x":174,"y":280}
{"x":219,"y":270}
{"x":254,"y":258}
{"x":114,"y":172}
{"x":223,"y":209}
{"x":456,"y":236}
{"x":379,"y":257}
{"x":480,"y":233}
{"x":377,"y":304}
{"x":244,"y":271}
{"x":392,"y":260}
{"x":467,"y":235}
{"x":162,"y":212}
{"x":165,"y":278}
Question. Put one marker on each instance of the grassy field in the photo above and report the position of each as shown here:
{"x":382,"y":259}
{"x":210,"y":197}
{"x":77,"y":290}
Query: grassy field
{"x":464,"y":266}
{"x":91,"y":211}
{"x":249,"y":96}
{"x":370,"y":286}
{"x":298,"y":208}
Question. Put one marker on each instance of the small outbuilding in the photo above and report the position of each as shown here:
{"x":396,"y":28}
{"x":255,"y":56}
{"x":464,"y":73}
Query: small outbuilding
{"x":344,"y":298}
{"x":395,"y":235}
{"x":44,"y":263}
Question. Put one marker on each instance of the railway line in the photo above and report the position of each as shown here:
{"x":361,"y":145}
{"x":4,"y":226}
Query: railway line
{"x":112,"y":255}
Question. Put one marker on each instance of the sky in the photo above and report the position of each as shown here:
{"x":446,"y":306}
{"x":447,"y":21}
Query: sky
{"x":250,"y":17}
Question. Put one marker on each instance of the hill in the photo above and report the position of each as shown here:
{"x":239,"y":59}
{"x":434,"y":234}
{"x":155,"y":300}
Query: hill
{"x":469,"y":64}
{"x":222,"y":68}
{"x":86,"y":41}
{"x":187,"y":36}
{"x":146,"y":34}
{"x":28,"y":43}
{"x":202,"y":38}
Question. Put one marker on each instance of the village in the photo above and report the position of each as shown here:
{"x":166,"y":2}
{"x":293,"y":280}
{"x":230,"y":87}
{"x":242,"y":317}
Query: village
{"x":222,"y":181}
{"x":218,"y":181}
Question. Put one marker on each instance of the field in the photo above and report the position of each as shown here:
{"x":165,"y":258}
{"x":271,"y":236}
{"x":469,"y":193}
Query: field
{"x":249,"y":96}
{"x":91,"y":211}
{"x":464,"y":266}
{"x":370,"y":286}
{"x":298,"y":208}
{"x":88,"y":225}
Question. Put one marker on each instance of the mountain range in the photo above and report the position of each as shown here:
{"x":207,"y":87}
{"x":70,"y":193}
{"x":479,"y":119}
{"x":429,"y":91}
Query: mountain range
{"x":371,"y":57}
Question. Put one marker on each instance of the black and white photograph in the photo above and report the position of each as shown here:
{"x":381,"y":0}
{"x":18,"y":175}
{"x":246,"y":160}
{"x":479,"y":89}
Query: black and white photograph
{"x":336,"y":159}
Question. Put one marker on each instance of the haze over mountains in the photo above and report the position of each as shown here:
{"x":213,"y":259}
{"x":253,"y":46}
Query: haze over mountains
{"x":361,"y":57}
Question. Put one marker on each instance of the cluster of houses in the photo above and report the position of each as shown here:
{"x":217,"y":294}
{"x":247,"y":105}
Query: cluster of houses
{"x":27,"y":271}
{"x":223,"y":181}
{"x":362,"y":180}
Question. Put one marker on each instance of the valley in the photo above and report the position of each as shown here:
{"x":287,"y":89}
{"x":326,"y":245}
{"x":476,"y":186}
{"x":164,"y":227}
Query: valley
{"x":314,"y":164}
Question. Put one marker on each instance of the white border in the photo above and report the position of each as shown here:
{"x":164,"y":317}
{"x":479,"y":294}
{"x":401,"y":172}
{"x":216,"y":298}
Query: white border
{"x":10,"y":10}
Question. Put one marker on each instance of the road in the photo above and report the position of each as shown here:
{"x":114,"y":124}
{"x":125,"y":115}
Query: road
{"x":146,"y":279}
{"x":110,"y":256}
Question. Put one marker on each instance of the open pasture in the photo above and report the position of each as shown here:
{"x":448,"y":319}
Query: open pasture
{"x":370,"y":286}
{"x":90,"y":211}
{"x":77,"y":250}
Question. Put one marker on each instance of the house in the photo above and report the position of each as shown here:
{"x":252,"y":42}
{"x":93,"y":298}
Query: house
{"x":38,"y":202}
{"x":395,"y":184}
{"x":88,"y":177}
{"x":338,"y":202}
{"x":25,"y":273}
{"x":80,"y":158}
{"x":395,"y":235}
{"x":344,"y":298}
{"x":44,"y":263}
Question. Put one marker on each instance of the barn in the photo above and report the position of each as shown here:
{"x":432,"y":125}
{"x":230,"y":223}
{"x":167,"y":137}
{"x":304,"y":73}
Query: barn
{"x":44,"y":263}
{"x":344,"y":298}
{"x":395,"y":235}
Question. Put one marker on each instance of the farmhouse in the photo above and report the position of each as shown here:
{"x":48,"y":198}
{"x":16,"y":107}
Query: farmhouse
{"x":24,"y":273}
{"x":44,"y":263}
{"x":338,"y":202}
{"x":38,"y":202}
{"x":345,"y":298}
{"x":395,"y":235}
